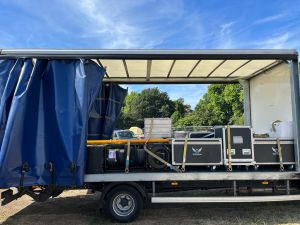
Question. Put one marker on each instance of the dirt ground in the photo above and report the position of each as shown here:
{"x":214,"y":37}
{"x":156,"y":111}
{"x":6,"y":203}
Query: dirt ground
{"x":76,"y":207}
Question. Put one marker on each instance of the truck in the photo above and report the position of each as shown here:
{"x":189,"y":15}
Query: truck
{"x":58,"y":110}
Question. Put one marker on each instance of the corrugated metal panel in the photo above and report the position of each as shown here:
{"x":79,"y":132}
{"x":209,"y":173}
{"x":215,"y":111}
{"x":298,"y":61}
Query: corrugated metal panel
{"x":158,"y":127}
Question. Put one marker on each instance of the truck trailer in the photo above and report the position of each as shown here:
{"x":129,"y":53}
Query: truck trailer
{"x":59,"y":108}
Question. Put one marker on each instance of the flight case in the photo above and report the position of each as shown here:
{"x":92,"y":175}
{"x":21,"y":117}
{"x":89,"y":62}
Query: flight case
{"x":241,"y":140}
{"x":200,"y":151}
{"x":266,"y":151}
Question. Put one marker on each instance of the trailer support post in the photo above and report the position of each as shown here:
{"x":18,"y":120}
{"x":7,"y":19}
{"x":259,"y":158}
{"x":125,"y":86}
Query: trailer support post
{"x":288,"y":190}
{"x":247,"y":104}
{"x":234,"y":188}
{"x":153,"y":188}
{"x":294,"y":74}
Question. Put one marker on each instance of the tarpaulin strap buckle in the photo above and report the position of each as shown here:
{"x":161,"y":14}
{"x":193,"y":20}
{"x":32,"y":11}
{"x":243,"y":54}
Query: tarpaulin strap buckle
{"x":280,"y":154}
{"x":50,"y":166}
{"x":73,"y":168}
{"x":184,"y":153}
{"x":127,"y":158}
{"x":24,"y":169}
{"x":229,"y":149}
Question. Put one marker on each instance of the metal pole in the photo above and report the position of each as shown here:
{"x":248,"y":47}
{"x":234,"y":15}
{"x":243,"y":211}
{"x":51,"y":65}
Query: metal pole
{"x":247,"y":104}
{"x":294,"y":74}
{"x":234,"y":188}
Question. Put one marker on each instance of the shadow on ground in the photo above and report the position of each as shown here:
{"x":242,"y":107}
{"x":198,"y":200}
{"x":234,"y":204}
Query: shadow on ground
{"x":83,"y":209}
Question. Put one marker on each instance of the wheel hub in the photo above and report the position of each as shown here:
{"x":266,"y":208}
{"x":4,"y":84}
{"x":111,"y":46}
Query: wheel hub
{"x":123,"y":204}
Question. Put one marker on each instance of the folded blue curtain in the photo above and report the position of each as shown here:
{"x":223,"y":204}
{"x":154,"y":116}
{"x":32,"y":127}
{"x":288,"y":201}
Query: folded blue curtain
{"x":105,"y":111}
{"x":44,"y":110}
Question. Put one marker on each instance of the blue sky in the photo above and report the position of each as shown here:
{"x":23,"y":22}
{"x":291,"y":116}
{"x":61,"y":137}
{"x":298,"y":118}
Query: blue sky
{"x":159,"y":24}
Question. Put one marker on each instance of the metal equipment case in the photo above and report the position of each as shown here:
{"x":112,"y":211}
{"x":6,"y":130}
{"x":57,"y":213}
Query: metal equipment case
{"x":266,"y":151}
{"x":241,"y":140}
{"x":200,"y":151}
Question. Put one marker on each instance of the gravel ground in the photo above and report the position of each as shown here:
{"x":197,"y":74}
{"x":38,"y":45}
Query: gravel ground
{"x":76,"y":207}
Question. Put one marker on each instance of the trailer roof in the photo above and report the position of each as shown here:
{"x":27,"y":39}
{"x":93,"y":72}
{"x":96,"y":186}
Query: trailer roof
{"x":170,"y":66}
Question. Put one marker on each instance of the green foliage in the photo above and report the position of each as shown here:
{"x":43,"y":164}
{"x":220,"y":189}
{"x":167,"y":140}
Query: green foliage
{"x":149,"y":103}
{"x":222,"y":104}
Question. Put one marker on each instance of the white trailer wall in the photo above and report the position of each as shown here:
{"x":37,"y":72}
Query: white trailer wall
{"x":270,"y":98}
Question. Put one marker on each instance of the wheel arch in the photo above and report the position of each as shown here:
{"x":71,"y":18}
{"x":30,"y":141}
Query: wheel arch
{"x":109,"y":187}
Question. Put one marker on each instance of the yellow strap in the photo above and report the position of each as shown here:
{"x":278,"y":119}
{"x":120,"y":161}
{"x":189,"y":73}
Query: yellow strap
{"x":184,"y":153}
{"x":127,"y":158}
{"x":280,"y":154}
{"x":229,"y":148}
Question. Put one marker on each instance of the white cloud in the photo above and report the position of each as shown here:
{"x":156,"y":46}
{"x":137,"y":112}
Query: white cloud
{"x":269,"y":19}
{"x":278,"y":41}
{"x":125,"y":25}
{"x":225,"y":36}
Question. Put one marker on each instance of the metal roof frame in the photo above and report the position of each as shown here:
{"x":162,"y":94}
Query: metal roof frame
{"x":280,"y":55}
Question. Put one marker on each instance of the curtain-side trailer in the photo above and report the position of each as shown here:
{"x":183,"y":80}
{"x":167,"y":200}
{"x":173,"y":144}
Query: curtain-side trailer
{"x":47,"y":97}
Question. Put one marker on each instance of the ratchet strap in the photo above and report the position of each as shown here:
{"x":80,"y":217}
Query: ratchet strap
{"x":127,"y":158}
{"x":280,"y":154}
{"x":184,"y":153}
{"x":229,"y":148}
{"x":175,"y":168}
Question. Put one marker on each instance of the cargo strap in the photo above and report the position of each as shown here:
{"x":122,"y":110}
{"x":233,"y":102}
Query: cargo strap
{"x":280,"y":154}
{"x":175,"y":168}
{"x":229,"y":148}
{"x":184,"y":153}
{"x":150,"y":131}
{"x":50,"y":166}
{"x":24,"y":169}
{"x":73,"y":168}
{"x":127,"y":158}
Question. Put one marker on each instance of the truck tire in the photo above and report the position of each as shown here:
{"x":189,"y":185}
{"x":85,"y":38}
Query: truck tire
{"x":123,"y":203}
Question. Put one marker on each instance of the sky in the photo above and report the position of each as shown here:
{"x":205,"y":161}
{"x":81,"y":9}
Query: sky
{"x":151,"y":24}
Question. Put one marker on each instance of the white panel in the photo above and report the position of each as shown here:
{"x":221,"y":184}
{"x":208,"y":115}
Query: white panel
{"x":137,"y":68}
{"x":114,"y":68}
{"x":252,"y":67}
{"x":160,"y":68}
{"x":205,"y":67}
{"x":182,"y":68}
{"x":270,"y":97}
{"x":228,"y":67}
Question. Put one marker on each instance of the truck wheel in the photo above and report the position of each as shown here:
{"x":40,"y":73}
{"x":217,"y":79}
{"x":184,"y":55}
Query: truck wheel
{"x":123,"y":203}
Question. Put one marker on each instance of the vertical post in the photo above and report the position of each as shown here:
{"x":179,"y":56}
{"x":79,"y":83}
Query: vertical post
{"x":234,"y":188}
{"x":294,"y":75}
{"x":153,"y":188}
{"x":247,"y":104}
{"x":288,"y":187}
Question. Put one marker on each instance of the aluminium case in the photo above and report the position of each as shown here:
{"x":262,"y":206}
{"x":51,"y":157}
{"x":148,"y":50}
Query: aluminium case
{"x":200,"y":151}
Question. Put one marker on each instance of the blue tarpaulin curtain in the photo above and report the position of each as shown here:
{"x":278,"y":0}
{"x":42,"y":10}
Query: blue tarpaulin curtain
{"x":105,"y":111}
{"x":44,"y":109}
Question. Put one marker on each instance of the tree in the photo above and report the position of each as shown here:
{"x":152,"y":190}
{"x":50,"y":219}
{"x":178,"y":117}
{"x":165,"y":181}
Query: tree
{"x":222,"y":104}
{"x":149,"y":103}
{"x":181,"y":110}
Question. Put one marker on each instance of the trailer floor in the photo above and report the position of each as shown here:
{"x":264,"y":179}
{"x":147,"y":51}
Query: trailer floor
{"x":76,"y":207}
